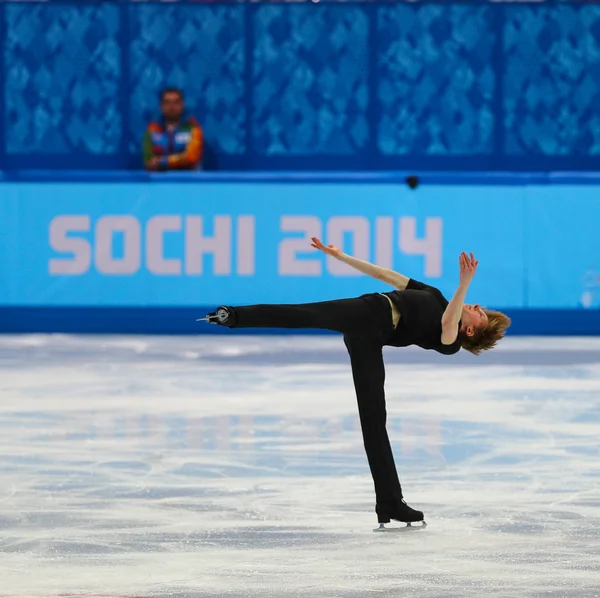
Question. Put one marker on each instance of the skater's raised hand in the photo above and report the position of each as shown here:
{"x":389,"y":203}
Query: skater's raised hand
{"x":331,"y":250}
{"x":468,"y":266}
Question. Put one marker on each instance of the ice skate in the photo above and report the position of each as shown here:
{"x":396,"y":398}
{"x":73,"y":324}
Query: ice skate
{"x":398,"y":511}
{"x":222,"y":316}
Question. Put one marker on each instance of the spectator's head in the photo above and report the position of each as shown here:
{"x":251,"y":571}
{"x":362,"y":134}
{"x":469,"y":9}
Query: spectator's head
{"x":172,"y":105}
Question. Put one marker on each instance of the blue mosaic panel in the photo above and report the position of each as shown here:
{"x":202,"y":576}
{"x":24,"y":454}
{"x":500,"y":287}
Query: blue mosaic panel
{"x":552,"y":80}
{"x":435,"y":80}
{"x":310,"y":72}
{"x":200,"y":49}
{"x":63,"y":69}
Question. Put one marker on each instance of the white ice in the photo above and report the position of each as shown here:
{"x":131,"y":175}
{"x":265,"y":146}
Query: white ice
{"x":233,"y":466}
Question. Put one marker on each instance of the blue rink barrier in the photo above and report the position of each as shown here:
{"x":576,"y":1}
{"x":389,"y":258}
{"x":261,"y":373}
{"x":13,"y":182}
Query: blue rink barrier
{"x":118,"y":253}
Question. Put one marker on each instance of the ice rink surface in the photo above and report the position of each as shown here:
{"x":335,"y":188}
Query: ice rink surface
{"x":233,"y":466}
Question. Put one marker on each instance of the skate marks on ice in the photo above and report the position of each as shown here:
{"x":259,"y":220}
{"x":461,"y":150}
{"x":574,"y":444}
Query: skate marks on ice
{"x":197,"y":467}
{"x":396,"y":527}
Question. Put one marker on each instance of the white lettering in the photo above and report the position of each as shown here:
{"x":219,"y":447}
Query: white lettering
{"x":155,"y":231}
{"x":289,"y":265}
{"x":384,"y":242}
{"x":80,"y":263}
{"x":219,"y":245}
{"x":359,"y":228}
{"x":430,"y":246}
{"x":295,"y":256}
{"x":106,"y":227}
{"x":246,"y":263}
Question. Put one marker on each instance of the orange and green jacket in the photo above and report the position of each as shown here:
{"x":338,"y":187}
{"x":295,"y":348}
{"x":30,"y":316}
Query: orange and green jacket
{"x":179,"y":149}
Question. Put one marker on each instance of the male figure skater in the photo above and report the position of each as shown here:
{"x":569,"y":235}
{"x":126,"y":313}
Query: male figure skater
{"x":413,"y":314}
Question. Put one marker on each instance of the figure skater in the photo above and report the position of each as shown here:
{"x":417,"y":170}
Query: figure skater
{"x":413,"y":314}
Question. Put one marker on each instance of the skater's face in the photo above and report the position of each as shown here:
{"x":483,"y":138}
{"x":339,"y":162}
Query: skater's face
{"x":473,"y":317}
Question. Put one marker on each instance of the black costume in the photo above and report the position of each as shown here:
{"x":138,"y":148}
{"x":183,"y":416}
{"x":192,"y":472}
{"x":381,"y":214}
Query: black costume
{"x":366,"y":323}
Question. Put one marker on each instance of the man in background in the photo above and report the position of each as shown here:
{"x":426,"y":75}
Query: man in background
{"x":176,"y":142}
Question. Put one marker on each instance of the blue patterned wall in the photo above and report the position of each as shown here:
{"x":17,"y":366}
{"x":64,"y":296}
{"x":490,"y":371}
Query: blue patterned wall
{"x":310,"y":92}
{"x":552,"y":81}
{"x":62,"y":78}
{"x":306,"y":86}
{"x":435,"y":80}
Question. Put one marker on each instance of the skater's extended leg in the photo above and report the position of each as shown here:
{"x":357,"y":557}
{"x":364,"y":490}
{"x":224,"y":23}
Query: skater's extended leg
{"x":368,"y":372}
{"x":358,"y":316}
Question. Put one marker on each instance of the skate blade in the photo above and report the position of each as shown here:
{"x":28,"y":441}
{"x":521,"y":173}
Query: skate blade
{"x":409,"y":527}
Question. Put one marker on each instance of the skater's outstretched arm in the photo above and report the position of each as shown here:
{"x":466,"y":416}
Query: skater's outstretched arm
{"x":453,"y":312}
{"x":394,"y":279}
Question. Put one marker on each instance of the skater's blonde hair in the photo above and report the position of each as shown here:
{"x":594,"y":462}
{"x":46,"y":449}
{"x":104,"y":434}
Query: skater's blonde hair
{"x":487,"y":336}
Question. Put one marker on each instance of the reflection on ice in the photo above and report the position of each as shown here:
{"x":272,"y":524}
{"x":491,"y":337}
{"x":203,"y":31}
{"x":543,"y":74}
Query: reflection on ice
{"x":233,"y":466}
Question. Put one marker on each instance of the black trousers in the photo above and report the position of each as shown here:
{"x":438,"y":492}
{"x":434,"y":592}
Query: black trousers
{"x":365,"y":322}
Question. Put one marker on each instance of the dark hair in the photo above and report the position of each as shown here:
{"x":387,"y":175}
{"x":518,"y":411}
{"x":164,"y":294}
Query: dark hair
{"x":167,"y":90}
